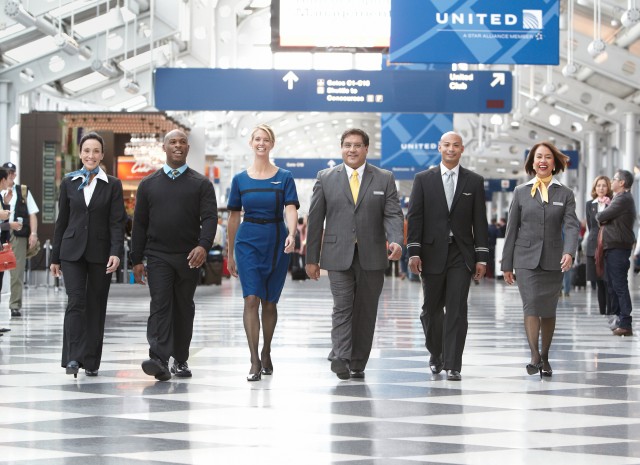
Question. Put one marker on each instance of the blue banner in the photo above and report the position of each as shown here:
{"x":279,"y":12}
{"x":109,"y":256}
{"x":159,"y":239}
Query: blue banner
{"x":497,"y":185}
{"x":394,"y":91}
{"x":475,"y":31}
{"x":574,"y":159}
{"x":411,"y":141}
{"x":306,"y":168}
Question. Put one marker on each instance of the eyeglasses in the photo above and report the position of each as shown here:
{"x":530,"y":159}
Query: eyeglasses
{"x":355,"y":146}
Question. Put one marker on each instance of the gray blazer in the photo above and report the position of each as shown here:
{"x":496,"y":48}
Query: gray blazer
{"x":535,"y":229}
{"x":374,"y":219}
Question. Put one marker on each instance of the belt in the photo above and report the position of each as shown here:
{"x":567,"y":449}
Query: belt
{"x":263,"y":220}
{"x":451,"y":239}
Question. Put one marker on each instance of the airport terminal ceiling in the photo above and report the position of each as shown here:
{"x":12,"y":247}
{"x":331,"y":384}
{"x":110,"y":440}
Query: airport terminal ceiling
{"x":100,"y":56}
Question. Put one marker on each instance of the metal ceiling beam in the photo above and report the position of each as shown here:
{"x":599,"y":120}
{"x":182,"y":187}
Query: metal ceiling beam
{"x":540,"y":115}
{"x":618,"y":60}
{"x":120,"y":96}
{"x":591,"y":100}
{"x":39,"y":68}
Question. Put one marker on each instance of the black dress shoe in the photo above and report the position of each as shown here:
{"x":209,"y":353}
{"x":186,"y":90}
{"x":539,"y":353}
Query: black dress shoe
{"x":356,"y":374}
{"x":15,"y":312}
{"x":181,"y":369}
{"x":436,"y":364}
{"x":72,"y":368}
{"x":156,"y":368}
{"x":340,"y":367}
{"x":91,"y":372}
{"x":4,"y":330}
{"x":454,"y":375}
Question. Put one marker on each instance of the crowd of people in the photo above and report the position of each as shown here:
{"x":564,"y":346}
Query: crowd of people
{"x":355,"y":228}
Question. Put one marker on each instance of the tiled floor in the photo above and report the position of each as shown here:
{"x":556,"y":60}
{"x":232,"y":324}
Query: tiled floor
{"x":588,"y":413}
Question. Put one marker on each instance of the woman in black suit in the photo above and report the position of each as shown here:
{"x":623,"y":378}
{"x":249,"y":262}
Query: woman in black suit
{"x":87,"y":243}
{"x":601,"y":195}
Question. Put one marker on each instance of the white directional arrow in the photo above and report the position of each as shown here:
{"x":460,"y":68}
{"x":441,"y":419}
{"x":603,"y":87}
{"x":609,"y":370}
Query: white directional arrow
{"x":498,"y":79}
{"x":331,"y":163}
{"x":291,"y":77}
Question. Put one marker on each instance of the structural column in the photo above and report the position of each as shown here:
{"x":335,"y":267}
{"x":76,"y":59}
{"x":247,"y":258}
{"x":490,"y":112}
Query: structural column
{"x":5,"y":130}
{"x":630,"y":141}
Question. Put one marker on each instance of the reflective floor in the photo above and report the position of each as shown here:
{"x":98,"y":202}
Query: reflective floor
{"x":588,"y":413}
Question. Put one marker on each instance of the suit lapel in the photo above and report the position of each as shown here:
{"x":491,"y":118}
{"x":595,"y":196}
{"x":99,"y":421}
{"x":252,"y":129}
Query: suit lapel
{"x":462,"y":180}
{"x":437,"y":181}
{"x":343,"y":180}
{"x":100,"y":186}
{"x":553,"y":193}
{"x":366,"y":182}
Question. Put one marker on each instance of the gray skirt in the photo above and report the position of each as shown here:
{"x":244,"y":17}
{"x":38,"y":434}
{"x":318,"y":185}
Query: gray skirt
{"x":539,"y":290}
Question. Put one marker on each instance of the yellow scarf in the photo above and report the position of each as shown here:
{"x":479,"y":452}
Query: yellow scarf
{"x":542,"y":184}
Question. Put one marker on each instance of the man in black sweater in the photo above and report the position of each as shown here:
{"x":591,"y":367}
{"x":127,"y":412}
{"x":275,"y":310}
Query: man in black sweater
{"x":173,"y":227}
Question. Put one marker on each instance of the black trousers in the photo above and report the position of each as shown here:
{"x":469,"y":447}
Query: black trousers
{"x":446,"y":333}
{"x":172,"y":285}
{"x":87,"y":286}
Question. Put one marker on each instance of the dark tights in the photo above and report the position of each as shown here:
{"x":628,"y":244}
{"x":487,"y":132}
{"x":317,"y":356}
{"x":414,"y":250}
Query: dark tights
{"x":539,"y":328}
{"x":251,"y":321}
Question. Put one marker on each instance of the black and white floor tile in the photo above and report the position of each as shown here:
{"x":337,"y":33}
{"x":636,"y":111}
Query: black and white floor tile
{"x":587,"y":413}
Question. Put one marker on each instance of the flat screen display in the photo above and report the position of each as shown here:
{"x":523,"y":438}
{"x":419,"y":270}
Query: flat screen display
{"x":330,"y":25}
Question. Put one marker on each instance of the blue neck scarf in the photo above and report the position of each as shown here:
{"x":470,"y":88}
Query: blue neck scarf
{"x":86,"y":174}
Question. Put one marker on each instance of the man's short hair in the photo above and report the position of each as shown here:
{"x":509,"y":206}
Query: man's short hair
{"x":625,"y":176}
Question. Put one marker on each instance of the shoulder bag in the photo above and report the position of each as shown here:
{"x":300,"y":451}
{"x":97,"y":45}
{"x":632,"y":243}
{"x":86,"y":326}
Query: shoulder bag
{"x":7,"y":258}
{"x":599,"y":256}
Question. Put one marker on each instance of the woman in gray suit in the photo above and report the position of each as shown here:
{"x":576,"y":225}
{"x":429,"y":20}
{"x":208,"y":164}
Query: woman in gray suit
{"x":540,"y":243}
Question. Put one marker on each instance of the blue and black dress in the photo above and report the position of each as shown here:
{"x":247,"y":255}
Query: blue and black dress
{"x":259,"y":243}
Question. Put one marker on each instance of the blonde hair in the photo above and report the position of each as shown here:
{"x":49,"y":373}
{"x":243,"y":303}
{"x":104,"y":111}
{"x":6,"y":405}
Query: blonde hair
{"x":266,"y":128}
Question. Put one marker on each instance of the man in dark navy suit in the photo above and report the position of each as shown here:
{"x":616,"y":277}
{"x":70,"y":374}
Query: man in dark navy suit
{"x":448,"y":245}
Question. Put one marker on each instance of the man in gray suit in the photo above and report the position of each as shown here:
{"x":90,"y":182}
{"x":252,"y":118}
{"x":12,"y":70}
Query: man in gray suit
{"x":358,"y":205}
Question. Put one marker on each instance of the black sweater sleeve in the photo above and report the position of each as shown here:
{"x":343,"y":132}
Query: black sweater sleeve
{"x":208,"y":214}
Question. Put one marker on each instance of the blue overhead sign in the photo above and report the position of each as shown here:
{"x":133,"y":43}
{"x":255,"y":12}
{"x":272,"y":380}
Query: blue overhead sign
{"x":307,"y":168}
{"x":392,"y":91}
{"x":411,"y":141}
{"x":475,"y":31}
{"x":497,"y":185}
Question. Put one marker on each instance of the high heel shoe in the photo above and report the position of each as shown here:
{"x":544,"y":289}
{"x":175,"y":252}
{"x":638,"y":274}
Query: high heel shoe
{"x":72,"y":368}
{"x":267,"y":368}
{"x":255,"y":376}
{"x":547,"y":373}
{"x":534,"y":369}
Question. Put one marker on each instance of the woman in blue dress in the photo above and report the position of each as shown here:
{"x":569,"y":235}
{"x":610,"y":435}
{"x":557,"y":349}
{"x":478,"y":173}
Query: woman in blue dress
{"x":258,"y":248}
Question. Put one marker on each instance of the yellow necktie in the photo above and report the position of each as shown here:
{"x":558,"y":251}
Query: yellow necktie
{"x":354,"y":183}
{"x":541,"y":183}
